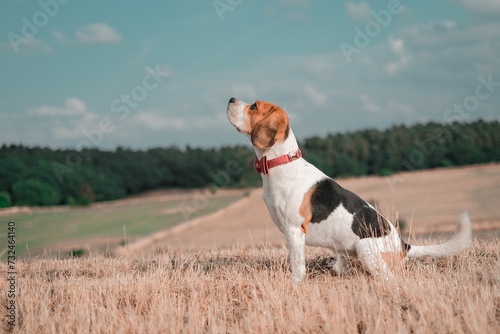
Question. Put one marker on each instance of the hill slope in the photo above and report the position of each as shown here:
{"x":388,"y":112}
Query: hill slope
{"x":429,"y":201}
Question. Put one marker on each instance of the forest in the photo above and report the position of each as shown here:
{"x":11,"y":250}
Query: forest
{"x":37,"y":176}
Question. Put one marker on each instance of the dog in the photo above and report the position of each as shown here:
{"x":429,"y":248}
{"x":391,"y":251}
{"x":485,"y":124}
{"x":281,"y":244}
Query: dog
{"x":310,"y":208}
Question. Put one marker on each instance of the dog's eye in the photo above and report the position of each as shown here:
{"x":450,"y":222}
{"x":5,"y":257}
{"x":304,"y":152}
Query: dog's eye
{"x":253,"y":106}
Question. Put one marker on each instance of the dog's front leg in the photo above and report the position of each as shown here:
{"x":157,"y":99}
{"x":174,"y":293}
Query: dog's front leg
{"x":296,"y":242}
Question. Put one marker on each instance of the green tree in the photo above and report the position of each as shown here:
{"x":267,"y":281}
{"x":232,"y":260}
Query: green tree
{"x":34,"y":192}
{"x":347,"y":166}
{"x":4,"y":199}
{"x":85,"y":194}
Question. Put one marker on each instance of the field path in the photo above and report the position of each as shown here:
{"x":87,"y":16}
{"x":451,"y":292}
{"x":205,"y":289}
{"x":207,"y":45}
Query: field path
{"x":429,"y":201}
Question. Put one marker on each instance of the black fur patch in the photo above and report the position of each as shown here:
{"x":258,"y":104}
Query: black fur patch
{"x":406,"y":246}
{"x":328,"y":195}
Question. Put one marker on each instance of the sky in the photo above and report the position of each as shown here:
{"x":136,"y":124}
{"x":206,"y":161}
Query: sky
{"x":142,"y":74}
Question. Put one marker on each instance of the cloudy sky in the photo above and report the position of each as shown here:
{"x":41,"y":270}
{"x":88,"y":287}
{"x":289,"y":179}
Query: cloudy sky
{"x":158,"y":73}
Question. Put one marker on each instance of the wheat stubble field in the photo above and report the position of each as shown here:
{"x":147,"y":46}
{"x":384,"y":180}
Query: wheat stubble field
{"x":204,"y":278}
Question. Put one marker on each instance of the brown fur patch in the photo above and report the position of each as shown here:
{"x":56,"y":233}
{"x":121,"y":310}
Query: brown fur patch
{"x":394,"y":260}
{"x":268,"y":123}
{"x":305,"y":208}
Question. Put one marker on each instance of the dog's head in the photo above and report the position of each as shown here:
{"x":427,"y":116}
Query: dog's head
{"x":263,"y":122}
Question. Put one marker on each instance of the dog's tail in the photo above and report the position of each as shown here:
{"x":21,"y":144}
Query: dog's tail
{"x":459,"y":241}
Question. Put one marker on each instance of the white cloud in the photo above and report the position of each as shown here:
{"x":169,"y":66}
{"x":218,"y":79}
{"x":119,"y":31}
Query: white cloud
{"x":60,"y":37}
{"x":369,"y":104}
{"x":59,"y":124}
{"x":448,"y":51}
{"x":158,"y":120}
{"x":358,"y":11}
{"x":98,"y":33}
{"x":95,"y":33}
{"x":316,"y":97}
{"x":448,"y":33}
{"x":35,"y":45}
{"x":386,"y":108}
{"x":444,"y":54}
{"x":400,"y":108}
{"x":73,"y":128}
{"x":396,"y":45}
{"x":449,"y":24}
{"x":73,"y":106}
{"x":395,"y":66}
{"x":320,"y":65}
{"x":482,"y":7}
{"x":28,"y":46}
{"x":244,"y":92}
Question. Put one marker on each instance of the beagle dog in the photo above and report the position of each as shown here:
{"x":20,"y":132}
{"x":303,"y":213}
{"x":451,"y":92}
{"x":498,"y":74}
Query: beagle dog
{"x":310,"y":208}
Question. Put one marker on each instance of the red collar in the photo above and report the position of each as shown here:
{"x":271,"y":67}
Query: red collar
{"x":263,"y":165}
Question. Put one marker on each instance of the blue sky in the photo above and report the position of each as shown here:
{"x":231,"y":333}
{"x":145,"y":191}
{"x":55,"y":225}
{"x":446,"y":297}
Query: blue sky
{"x":159,"y":73}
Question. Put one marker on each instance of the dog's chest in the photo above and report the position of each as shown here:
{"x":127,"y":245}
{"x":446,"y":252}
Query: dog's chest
{"x":277,"y":208}
{"x":284,"y":192}
{"x":283,"y":202}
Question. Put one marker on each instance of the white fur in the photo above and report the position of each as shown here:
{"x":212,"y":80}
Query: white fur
{"x":284,"y":188}
{"x":237,"y":117}
{"x":458,"y":242}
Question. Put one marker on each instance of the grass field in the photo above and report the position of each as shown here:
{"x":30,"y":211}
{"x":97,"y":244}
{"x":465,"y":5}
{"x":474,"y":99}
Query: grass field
{"x":248,"y":290}
{"x":103,"y":222}
{"x":228,"y":272}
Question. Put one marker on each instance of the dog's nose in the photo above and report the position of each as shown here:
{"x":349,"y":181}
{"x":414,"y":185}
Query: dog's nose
{"x":232,"y":100}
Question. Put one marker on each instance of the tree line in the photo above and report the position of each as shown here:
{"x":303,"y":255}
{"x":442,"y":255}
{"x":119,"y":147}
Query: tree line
{"x":43,"y":176}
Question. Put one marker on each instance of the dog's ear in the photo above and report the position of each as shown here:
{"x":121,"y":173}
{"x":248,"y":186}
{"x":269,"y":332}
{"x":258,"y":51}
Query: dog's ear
{"x":272,"y":128}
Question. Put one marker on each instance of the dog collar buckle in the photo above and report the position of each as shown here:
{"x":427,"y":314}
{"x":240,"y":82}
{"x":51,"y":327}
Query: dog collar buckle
{"x":294,"y":155}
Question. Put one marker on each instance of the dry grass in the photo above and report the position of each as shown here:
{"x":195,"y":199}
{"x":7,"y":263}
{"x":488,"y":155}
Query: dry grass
{"x":247,"y":289}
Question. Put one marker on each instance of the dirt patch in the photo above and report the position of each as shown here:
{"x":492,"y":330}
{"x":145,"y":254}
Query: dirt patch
{"x":15,"y":210}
